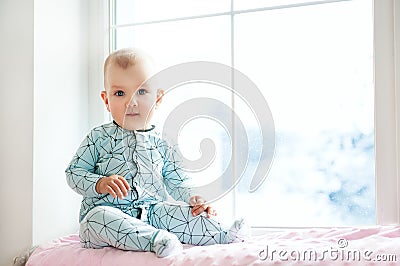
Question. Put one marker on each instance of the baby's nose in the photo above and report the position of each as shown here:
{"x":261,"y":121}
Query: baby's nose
{"x":131,"y":103}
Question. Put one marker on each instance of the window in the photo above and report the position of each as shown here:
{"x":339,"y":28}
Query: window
{"x":312,"y":61}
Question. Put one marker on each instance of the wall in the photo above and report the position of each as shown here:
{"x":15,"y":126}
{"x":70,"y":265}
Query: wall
{"x":16,"y":134}
{"x":43,"y":115}
{"x":61,"y":112}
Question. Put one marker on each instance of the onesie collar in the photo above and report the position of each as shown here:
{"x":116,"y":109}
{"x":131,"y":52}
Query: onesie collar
{"x":138,"y":130}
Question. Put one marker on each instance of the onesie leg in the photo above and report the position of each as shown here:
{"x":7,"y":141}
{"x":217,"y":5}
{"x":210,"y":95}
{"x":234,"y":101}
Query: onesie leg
{"x":107,"y":226}
{"x":198,"y":230}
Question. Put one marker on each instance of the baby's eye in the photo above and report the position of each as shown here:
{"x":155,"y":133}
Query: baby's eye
{"x":119,"y":93}
{"x":141,"y":92}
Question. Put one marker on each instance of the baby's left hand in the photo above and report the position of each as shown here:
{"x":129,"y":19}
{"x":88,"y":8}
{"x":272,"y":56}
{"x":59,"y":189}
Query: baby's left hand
{"x":198,"y":206}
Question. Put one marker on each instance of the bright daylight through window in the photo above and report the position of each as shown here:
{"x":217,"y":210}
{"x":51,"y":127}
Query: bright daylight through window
{"x":313,"y":63}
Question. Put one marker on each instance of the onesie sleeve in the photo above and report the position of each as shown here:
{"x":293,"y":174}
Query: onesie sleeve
{"x":80,"y":173}
{"x":176,"y":180}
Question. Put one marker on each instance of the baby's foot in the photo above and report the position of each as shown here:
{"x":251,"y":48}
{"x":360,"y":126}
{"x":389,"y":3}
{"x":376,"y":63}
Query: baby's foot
{"x":239,"y":232}
{"x":166,"y":244}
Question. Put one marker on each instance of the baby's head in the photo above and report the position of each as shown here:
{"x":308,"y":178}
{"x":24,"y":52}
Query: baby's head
{"x":127,"y":96}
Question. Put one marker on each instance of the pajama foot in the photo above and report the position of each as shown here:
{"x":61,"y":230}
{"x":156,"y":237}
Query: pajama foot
{"x":166,"y":244}
{"x":239,"y":232}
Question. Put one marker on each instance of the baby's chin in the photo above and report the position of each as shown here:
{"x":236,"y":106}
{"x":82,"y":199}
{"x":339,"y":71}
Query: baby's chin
{"x":128,"y":124}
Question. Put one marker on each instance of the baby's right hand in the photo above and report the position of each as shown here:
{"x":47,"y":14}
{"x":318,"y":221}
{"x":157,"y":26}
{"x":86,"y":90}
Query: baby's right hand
{"x":115,"y":185}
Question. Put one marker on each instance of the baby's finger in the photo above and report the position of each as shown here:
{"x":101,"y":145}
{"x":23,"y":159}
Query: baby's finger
{"x":196,"y":200}
{"x":116,"y":189}
{"x":110,"y":191}
{"x":126,"y":184}
{"x":122,"y":186}
{"x":210,"y":211}
{"x":196,"y":210}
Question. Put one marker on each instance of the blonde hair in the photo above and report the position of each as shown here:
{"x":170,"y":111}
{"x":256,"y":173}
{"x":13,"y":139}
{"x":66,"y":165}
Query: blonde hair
{"x":125,"y":58}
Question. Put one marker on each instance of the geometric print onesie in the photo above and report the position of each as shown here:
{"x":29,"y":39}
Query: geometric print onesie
{"x":153,"y":171}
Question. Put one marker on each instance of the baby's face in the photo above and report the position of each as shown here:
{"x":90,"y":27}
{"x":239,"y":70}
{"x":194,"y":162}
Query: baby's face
{"x":130,"y":101}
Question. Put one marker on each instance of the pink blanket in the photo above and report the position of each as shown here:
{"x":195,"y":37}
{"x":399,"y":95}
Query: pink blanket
{"x":378,"y":245}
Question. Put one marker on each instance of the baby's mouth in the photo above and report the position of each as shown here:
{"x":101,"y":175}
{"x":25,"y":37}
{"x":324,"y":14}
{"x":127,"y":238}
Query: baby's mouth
{"x":132,"y":114}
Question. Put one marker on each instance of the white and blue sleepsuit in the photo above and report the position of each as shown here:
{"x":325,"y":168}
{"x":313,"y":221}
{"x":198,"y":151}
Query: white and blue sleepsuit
{"x":153,"y":172}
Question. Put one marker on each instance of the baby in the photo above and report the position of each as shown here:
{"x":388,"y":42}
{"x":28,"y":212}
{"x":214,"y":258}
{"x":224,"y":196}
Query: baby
{"x":126,"y":172}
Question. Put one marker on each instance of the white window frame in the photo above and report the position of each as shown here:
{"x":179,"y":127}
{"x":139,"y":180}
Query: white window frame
{"x":99,"y":48}
{"x":387,"y":110}
{"x":387,"y":95}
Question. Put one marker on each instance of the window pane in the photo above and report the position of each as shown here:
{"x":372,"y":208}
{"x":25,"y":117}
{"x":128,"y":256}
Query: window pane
{"x":134,"y":11}
{"x":181,"y":41}
{"x":314,"y":66}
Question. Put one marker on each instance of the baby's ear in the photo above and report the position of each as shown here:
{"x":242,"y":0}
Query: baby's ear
{"x":105,"y":99}
{"x":160,"y":95}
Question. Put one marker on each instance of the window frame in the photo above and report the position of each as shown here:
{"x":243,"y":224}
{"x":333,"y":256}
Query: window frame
{"x":387,"y":95}
{"x":387,"y":110}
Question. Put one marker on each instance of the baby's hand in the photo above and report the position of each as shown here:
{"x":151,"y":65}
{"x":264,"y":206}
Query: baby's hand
{"x":115,"y":185}
{"x":198,"y":206}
